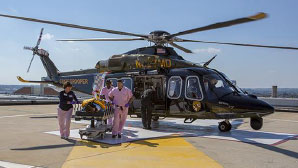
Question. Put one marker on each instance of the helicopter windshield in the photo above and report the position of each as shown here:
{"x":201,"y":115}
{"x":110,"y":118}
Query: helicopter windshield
{"x":216,"y":84}
{"x":232,"y":83}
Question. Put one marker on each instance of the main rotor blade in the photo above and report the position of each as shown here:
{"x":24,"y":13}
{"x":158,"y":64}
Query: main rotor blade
{"x":103,"y":39}
{"x":180,"y":47}
{"x":74,"y":26}
{"x":39,"y":39}
{"x":239,"y":44}
{"x":222,"y":24}
{"x":30,"y":62}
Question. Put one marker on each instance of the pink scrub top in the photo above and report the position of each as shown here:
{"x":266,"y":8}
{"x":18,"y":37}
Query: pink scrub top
{"x":121,"y":97}
{"x":105,"y":91}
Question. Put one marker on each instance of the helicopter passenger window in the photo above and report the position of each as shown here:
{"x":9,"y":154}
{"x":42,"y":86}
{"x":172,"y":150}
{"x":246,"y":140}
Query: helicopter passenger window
{"x":127,"y":82}
{"x":174,"y":87}
{"x":114,"y":81}
{"x":193,"y":90}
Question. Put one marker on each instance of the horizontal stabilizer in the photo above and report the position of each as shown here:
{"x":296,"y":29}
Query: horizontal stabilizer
{"x":26,"y":81}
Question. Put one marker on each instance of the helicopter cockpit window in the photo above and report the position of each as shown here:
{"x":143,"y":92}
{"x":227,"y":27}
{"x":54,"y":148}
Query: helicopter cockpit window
{"x":174,"y":87}
{"x":232,"y":82}
{"x":193,"y":90}
{"x":216,"y":84}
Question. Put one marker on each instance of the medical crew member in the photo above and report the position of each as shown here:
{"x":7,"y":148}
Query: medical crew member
{"x":104,"y":94}
{"x":121,"y":97}
{"x":147,"y":106}
{"x":65,"y":109}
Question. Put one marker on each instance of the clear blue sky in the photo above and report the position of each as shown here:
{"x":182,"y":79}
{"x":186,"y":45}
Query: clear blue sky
{"x":250,"y":67}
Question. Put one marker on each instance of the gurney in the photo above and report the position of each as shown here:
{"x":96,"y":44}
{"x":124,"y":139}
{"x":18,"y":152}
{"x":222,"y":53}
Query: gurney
{"x":98,"y":112}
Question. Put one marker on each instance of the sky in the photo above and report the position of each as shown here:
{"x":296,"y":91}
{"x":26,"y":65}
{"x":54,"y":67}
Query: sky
{"x":250,"y":67}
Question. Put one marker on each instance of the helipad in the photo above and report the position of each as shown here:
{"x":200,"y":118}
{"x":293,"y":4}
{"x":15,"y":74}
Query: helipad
{"x":200,"y":128}
{"x":28,"y":140}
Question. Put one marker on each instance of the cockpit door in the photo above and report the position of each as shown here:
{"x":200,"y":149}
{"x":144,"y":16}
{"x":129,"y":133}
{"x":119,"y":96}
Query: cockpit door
{"x":193,"y":89}
{"x":174,"y":102}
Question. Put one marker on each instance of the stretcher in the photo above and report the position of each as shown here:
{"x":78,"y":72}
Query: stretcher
{"x":97,"y":112}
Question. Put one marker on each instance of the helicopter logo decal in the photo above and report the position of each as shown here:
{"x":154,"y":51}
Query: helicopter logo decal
{"x":75,"y":81}
{"x":153,"y":62}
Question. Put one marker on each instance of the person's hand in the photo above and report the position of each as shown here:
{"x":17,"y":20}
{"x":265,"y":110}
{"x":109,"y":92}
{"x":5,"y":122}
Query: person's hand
{"x":127,"y":105}
{"x":73,"y":102}
{"x":78,"y":102}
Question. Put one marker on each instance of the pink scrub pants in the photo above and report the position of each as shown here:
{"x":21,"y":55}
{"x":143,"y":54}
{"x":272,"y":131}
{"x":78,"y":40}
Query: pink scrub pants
{"x":119,"y":120}
{"x":64,"y":118}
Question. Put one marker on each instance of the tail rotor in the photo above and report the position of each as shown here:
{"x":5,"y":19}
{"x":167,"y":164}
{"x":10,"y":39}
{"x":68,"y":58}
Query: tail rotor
{"x":34,"y":49}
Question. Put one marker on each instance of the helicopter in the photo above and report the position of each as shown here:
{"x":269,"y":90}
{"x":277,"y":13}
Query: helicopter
{"x":184,"y":89}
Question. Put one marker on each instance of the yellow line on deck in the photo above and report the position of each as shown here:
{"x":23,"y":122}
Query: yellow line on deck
{"x":168,"y":152}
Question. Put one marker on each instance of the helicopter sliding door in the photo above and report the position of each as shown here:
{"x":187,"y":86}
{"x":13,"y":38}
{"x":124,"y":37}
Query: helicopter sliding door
{"x":141,"y":83}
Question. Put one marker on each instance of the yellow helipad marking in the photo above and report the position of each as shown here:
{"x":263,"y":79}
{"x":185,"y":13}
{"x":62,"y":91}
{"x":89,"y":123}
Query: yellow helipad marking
{"x":169,"y":152}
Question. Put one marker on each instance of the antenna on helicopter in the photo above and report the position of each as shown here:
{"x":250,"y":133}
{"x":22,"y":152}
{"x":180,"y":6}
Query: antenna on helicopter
{"x":208,"y":62}
{"x":34,"y":49}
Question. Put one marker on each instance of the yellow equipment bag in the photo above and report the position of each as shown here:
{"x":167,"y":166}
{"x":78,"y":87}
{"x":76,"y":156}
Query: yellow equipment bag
{"x":93,"y":100}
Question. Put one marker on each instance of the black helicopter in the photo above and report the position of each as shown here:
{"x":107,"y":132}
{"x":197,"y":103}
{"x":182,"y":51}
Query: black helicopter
{"x":184,"y":89}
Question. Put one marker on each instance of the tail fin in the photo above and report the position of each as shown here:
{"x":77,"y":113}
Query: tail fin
{"x":50,"y":67}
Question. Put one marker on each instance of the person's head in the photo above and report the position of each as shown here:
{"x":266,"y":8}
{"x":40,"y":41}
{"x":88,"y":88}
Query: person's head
{"x":213,"y":82}
{"x":108,"y":84}
{"x":67,"y":87}
{"x":120,"y":83}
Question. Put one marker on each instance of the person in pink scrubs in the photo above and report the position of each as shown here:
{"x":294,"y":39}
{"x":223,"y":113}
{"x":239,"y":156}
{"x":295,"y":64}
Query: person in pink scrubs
{"x":121,"y":97}
{"x":104,"y":94}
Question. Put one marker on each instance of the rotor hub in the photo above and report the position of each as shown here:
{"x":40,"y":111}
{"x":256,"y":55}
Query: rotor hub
{"x":159,"y":37}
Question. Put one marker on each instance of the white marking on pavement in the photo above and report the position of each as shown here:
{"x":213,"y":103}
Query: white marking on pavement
{"x":281,"y":120}
{"x":25,"y":115}
{"x":14,"y":165}
{"x":200,"y":128}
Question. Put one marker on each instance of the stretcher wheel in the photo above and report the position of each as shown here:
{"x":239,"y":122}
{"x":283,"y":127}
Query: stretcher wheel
{"x":81,"y":135}
{"x":155,"y":118}
{"x":109,"y":130}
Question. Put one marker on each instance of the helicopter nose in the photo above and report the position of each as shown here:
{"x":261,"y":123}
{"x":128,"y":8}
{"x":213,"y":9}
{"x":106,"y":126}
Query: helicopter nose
{"x":269,"y":108}
{"x":263,"y":107}
{"x":250,"y":103}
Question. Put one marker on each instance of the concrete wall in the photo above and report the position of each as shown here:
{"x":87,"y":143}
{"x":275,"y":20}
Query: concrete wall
{"x":285,"y":102}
